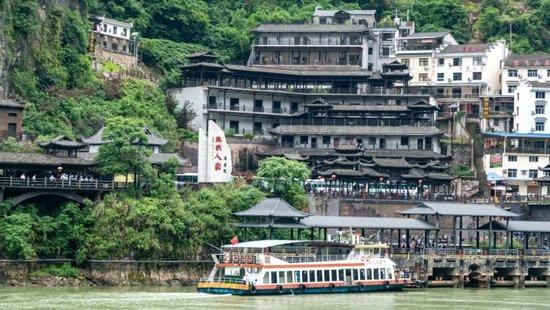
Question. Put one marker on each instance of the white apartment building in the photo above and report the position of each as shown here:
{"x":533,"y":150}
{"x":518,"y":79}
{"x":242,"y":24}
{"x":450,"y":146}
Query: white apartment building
{"x":113,"y":40}
{"x":356,"y":17}
{"x":531,"y":108}
{"x":528,"y":67}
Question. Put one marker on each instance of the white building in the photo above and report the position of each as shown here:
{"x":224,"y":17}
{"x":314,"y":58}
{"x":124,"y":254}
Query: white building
{"x":531,"y":109}
{"x":114,"y":41}
{"x":355,"y":17}
{"x":529,"y":67}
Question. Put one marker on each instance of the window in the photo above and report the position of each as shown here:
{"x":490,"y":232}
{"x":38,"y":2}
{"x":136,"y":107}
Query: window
{"x":319,"y":276}
{"x":355,"y":275}
{"x":440,"y":62}
{"x":370,"y":50}
{"x":332,"y":275}
{"x":496,"y":122}
{"x":389,"y":273}
{"x":322,"y":20}
{"x":115,"y":29}
{"x":281,"y":277}
{"x":212,"y":101}
{"x":539,"y":109}
{"x":12,"y":114}
{"x":382,"y":273}
{"x":274,"y":277}
{"x":457,"y":76}
{"x":298,"y":276}
{"x":293,"y":107}
{"x":440,"y":92}
{"x":289,"y":277}
{"x":341,"y":275}
{"x":539,"y":144}
{"x":456,"y":92}
{"x":361,"y":274}
{"x":369,"y":274}
{"x":406,"y":61}
{"x":376,"y":274}
{"x":303,"y":140}
{"x":476,"y":76}
{"x":234,"y":125}
{"x":423,"y":77}
{"x":457,"y":62}
{"x":533,"y":159}
{"x":423,"y":62}
{"x":305,"y":276}
{"x":512,"y":73}
{"x":478,"y":61}
{"x":533,"y":173}
{"x":512,"y":158}
{"x":512,"y":88}
{"x":539,"y":126}
{"x":539,"y":95}
{"x":441,"y":77}
{"x":312,"y":276}
{"x":404,"y":141}
{"x":326,"y":140}
{"x":326,"y":275}
{"x":372,"y":141}
{"x":512,"y":173}
{"x":385,"y":51}
{"x":548,"y":73}
{"x":258,"y":105}
{"x":532,"y":73}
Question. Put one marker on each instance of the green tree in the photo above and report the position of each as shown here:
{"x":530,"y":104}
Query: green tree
{"x":284,"y":178}
{"x":124,"y":149}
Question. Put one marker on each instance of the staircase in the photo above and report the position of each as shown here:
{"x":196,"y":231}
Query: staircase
{"x":474,"y":132}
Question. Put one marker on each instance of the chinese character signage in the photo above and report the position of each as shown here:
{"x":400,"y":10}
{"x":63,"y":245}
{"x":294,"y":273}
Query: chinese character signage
{"x":214,"y":155}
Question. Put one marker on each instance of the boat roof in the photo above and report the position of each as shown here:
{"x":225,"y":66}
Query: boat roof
{"x":262,"y":244}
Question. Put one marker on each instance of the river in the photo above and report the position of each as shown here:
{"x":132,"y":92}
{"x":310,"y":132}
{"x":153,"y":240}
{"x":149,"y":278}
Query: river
{"x":105,"y":298}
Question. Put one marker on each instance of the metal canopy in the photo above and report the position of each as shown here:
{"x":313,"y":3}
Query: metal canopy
{"x":367,"y":222}
{"x":272,"y":207}
{"x":458,"y":209}
{"x":520,"y":226}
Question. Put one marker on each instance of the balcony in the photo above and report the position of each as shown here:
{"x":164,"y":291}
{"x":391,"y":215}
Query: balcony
{"x":248,"y":109}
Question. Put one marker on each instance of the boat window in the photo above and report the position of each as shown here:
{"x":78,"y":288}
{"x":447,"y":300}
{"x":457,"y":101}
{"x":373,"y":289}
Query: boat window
{"x":348,"y":275}
{"x":312,"y":276}
{"x":361,"y":274}
{"x":297,"y":276}
{"x":369,"y":274}
{"x":376,"y":275}
{"x":319,"y":275}
{"x":282,"y":277}
{"x":273,"y":277}
{"x":355,"y":275}
{"x":341,"y":275}
{"x":389,"y":273}
{"x":333,"y":275}
{"x":382,"y":273}
{"x":327,"y":275}
{"x":304,"y":276}
{"x":289,"y":277}
{"x":266,"y":278}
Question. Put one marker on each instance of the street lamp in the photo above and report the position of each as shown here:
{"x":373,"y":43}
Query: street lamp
{"x":419,"y":191}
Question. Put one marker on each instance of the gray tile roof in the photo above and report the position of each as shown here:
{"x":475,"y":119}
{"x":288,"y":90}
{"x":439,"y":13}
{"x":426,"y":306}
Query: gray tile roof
{"x":358,"y":130}
{"x":315,"y":70}
{"x":527,"y":60}
{"x":330,"y":13}
{"x":272,"y":207}
{"x":392,"y":162}
{"x":63,"y":141}
{"x":37,"y":159}
{"x":161,"y":158}
{"x":404,"y":153}
{"x":426,"y":35}
{"x":11,"y":103}
{"x":465,"y":49}
{"x":540,"y":84}
{"x":367,"y":222}
{"x":459,"y":209}
{"x":311,"y":28}
{"x":152,"y":139}
{"x":528,"y":226}
{"x":355,"y":107}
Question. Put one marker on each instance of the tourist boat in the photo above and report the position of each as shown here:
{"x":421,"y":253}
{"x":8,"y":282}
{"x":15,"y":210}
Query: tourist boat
{"x":271,"y":267}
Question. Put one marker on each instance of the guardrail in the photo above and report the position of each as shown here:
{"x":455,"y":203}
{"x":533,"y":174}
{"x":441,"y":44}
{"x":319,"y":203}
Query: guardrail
{"x":46,"y":183}
{"x":223,"y":280}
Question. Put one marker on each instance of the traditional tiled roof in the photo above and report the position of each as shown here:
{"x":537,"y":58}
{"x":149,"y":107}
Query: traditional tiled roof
{"x":63,"y":141}
{"x":272,"y":207}
{"x":312,"y":28}
{"x":155,"y":158}
{"x":414,"y":173}
{"x":152,"y":139}
{"x":404,"y":153}
{"x":361,"y":107}
{"x":358,"y":130}
{"x":314,"y":70}
{"x":425,"y":35}
{"x":392,"y":162}
{"x":465,"y":49}
{"x":527,"y":60}
{"x":11,"y":103}
{"x":330,"y":13}
{"x":208,"y":54}
{"x":455,"y":208}
{"x":36,"y":159}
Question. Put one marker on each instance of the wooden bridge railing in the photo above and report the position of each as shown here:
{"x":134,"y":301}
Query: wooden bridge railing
{"x":46,"y":183}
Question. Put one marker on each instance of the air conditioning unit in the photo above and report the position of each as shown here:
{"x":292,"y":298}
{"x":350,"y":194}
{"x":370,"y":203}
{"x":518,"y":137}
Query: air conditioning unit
{"x":449,"y":79}
{"x":540,"y":76}
{"x":519,"y":76}
{"x":469,"y":79}
{"x":426,"y":68}
{"x":450,"y":64}
{"x":532,"y":129}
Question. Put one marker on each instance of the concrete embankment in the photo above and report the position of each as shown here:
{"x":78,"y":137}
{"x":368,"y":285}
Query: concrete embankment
{"x":99,"y":273}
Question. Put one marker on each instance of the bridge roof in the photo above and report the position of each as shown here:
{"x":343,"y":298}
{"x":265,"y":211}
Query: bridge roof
{"x":458,"y":209}
{"x":36,"y":159}
{"x":367,"y":222}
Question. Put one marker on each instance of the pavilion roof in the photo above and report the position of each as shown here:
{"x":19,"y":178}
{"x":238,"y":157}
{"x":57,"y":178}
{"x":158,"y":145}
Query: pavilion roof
{"x":367,"y":222}
{"x":272,"y":207}
{"x":519,"y":226}
{"x":458,"y":209}
{"x":152,"y":139}
{"x":63,"y":141}
{"x":392,"y":162}
{"x":11,"y":103}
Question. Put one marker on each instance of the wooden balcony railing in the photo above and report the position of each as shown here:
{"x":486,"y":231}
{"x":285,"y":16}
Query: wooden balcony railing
{"x":46,"y":183}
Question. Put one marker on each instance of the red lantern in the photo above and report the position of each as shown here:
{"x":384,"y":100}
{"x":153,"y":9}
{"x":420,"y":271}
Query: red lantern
{"x":419,"y":181}
{"x":381,"y":179}
{"x":333,"y":176}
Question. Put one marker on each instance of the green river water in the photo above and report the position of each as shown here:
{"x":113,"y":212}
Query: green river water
{"x":187,"y":298}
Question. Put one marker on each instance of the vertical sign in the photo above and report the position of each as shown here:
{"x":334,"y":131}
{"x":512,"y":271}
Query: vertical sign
{"x":214,"y":155}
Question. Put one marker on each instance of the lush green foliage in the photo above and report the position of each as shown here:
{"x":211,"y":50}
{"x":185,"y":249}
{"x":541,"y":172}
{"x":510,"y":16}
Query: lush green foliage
{"x":284,"y":178}
{"x":65,"y":270}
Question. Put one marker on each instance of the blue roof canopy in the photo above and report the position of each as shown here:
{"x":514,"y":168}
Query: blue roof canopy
{"x":502,"y":134}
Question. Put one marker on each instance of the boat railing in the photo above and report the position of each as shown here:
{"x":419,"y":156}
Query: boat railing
{"x":237,"y":258}
{"x":223,"y":280}
{"x":311,"y":258}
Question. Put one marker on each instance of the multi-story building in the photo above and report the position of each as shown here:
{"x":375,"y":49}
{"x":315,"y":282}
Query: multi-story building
{"x":517,"y":158}
{"x":356,"y":17}
{"x":114,"y":41}
{"x":11,"y":118}
{"x":529,"y":67}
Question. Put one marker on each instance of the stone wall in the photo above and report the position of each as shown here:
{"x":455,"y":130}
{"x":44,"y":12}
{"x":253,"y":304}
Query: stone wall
{"x":462,"y":154}
{"x":125,"y":60}
{"x":94,"y":273}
